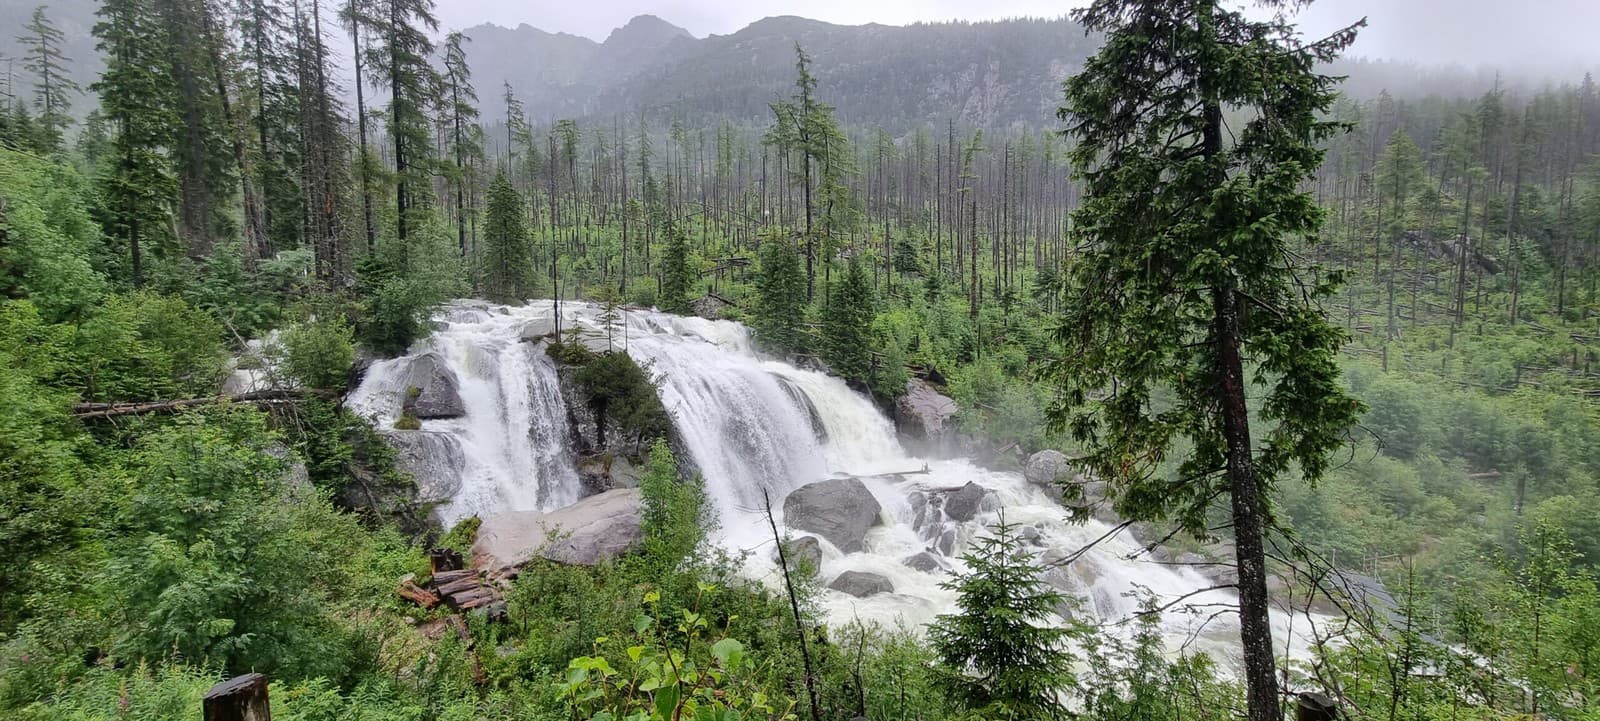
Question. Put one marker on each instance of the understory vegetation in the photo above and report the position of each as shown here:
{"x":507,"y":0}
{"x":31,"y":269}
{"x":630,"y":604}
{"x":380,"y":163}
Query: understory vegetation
{"x":164,"y":531}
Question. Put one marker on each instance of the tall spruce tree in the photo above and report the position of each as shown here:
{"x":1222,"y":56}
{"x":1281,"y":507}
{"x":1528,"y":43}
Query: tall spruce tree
{"x":780,"y":308}
{"x":676,"y":276}
{"x":136,"y":185}
{"x":507,"y":256}
{"x":401,"y":55}
{"x":1187,"y":282}
{"x":52,"y":89}
{"x":461,"y":115}
{"x":847,"y":324}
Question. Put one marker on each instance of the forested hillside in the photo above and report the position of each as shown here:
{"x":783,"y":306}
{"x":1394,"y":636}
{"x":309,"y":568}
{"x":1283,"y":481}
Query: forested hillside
{"x":1416,"y":341}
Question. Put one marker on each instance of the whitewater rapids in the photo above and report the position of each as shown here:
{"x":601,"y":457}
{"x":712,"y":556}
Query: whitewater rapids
{"x":750,"y":425}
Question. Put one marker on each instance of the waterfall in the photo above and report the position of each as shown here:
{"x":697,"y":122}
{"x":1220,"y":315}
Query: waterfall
{"x":757,"y":429}
{"x":514,"y":439}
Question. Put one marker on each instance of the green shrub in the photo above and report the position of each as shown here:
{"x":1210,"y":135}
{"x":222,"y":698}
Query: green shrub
{"x":319,"y":353}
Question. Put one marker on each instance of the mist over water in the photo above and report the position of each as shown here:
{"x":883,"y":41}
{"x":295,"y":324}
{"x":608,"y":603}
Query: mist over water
{"x":759,"y":428}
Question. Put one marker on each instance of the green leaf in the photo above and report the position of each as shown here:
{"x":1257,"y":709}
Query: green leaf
{"x":727,"y":651}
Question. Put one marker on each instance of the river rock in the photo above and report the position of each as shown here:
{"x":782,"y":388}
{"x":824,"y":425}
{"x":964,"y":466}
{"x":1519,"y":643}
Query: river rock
{"x":838,"y":509}
{"x":595,"y":529}
{"x":861,"y":584}
{"x":926,"y":561}
{"x":438,"y":391}
{"x":964,"y":503}
{"x":1047,"y":469}
{"x":803,"y":552}
{"x":923,"y":413}
{"x":434,"y":460}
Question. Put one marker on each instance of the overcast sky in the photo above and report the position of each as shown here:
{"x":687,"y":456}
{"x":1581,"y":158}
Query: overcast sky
{"x":1533,"y":34}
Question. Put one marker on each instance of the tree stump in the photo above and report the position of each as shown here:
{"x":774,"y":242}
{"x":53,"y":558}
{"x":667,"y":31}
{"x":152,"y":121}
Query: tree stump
{"x":241,"y":698}
{"x":445,"y":559}
{"x":1316,"y":707}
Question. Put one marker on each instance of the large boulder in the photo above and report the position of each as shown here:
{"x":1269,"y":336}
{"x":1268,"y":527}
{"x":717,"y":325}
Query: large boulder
{"x":861,"y":583}
{"x":924,"y":414}
{"x":434,"y":460}
{"x":1048,"y":468}
{"x":927,"y":561}
{"x":964,"y":503}
{"x":595,"y":529}
{"x":438,"y":393}
{"x":838,"y":509}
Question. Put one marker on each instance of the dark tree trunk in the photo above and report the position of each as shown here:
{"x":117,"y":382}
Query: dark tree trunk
{"x":241,"y":698}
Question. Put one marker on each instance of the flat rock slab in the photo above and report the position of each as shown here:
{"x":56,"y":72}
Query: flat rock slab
{"x":595,"y":529}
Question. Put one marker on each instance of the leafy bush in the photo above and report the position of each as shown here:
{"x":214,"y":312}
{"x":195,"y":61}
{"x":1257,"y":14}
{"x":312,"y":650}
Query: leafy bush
{"x":318,"y":353}
{"x":663,"y":678}
{"x":142,"y":346}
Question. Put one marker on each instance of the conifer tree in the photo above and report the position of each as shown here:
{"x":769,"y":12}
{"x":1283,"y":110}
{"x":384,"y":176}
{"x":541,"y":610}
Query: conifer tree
{"x":137,"y":184}
{"x":847,"y":324}
{"x":1187,"y":281}
{"x":780,"y":306}
{"x":676,"y":276}
{"x":52,"y":89}
{"x":461,"y":113}
{"x":507,"y":257}
{"x":1000,"y":648}
{"x":400,"y":56}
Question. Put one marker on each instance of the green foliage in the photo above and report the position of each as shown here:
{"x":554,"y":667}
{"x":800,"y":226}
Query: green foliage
{"x":319,"y":352}
{"x":677,"y":278}
{"x":847,"y":325}
{"x":675,"y":518}
{"x":999,"y":650}
{"x":47,"y":238}
{"x":621,"y":392}
{"x":143,"y":346}
{"x":780,"y":305}
{"x":663,"y":678}
{"x":507,"y":265}
{"x":995,"y":403}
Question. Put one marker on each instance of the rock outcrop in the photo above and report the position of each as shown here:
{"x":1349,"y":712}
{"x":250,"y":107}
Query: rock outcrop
{"x":595,"y":529}
{"x":438,"y":393}
{"x":924,"y":416}
{"x":861,"y":583}
{"x":838,"y":509}
{"x":434,"y":460}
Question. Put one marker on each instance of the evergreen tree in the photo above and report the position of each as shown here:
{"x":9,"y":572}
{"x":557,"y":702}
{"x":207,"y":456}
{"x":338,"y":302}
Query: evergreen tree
{"x":461,"y":114}
{"x":137,"y":184}
{"x":1187,"y":276}
{"x":52,"y":90}
{"x":780,"y":306}
{"x":507,"y":256}
{"x":847,"y":325}
{"x":400,"y":56}
{"x":676,"y":276}
{"x":1001,"y":648}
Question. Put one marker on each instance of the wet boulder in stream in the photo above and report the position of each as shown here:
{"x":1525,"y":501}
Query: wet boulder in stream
{"x":838,"y":509}
{"x":862,"y":584}
{"x":437,"y":392}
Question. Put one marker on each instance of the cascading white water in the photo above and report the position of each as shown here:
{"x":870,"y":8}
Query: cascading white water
{"x":751,"y":426}
{"x":516,"y":450}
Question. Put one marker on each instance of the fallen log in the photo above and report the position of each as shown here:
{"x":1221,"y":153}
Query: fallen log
{"x":86,"y":411}
{"x":458,"y":601}
{"x":443,"y":577}
{"x":460,"y":585}
{"x":410,"y":591}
